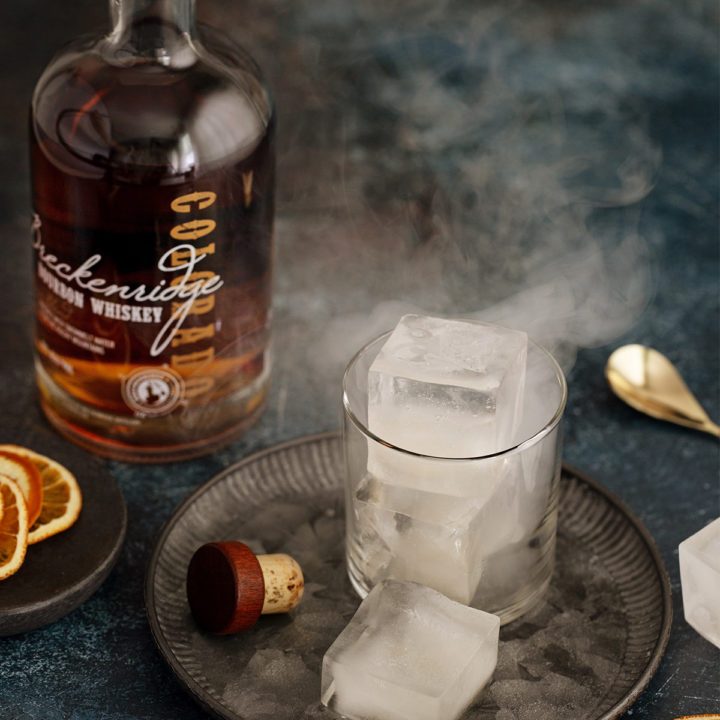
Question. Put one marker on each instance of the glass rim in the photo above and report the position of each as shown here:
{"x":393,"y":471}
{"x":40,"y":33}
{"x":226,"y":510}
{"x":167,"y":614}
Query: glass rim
{"x":546,"y":429}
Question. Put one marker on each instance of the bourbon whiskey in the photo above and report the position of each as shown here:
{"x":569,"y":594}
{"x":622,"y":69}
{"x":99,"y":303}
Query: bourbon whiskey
{"x":152,"y":155}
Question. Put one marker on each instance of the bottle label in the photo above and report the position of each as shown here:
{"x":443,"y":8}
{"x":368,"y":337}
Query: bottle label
{"x":187,"y":287}
{"x":157,"y":330}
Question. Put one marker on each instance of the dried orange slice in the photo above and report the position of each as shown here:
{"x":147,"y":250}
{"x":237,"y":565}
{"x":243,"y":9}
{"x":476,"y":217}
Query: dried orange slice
{"x":26,"y":475}
{"x":13,"y":527}
{"x":61,"y":499}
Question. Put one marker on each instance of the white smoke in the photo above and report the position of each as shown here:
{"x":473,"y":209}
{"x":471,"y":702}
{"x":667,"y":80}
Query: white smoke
{"x":493,"y":166}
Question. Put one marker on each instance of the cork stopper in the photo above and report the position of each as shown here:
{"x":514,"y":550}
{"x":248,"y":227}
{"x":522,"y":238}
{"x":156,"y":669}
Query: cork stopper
{"x":229,"y":587}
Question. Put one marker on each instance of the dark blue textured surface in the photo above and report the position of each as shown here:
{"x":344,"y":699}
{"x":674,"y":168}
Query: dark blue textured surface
{"x":386,"y":111}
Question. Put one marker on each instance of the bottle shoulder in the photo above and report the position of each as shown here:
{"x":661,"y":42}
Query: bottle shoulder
{"x":95,"y":113}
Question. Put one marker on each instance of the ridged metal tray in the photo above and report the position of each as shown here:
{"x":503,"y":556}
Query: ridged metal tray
{"x":585,"y":652}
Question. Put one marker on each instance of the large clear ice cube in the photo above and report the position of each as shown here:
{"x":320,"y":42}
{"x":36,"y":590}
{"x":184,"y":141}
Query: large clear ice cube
{"x":448,"y":388}
{"x":700,"y":581}
{"x":409,"y":653}
{"x":451,"y":389}
{"x":446,"y":539}
{"x":425,"y":537}
{"x":459,"y":478}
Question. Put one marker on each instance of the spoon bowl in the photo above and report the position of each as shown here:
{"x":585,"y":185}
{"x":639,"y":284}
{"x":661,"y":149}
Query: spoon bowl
{"x":646,"y":380}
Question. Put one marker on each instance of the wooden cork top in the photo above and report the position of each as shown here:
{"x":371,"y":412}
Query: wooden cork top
{"x":229,"y":587}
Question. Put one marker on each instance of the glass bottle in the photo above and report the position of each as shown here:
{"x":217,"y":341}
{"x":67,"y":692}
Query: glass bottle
{"x":152,"y":153}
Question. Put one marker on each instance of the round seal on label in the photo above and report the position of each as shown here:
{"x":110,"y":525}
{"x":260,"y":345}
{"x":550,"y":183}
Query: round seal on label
{"x":152,"y":390}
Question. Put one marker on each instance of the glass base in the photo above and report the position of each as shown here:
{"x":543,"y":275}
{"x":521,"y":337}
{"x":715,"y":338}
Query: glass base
{"x":152,"y":440}
{"x":519,"y":603}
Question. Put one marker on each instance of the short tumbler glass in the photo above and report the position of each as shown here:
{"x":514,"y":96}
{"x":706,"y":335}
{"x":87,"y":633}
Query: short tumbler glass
{"x":481,"y":529}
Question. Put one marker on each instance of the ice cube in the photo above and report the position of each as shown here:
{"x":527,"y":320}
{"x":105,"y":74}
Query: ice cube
{"x":460,"y":478}
{"x":449,"y":388}
{"x":700,"y":581}
{"x":372,"y":530}
{"x":409,"y":653}
{"x":521,"y":497}
{"x":423,"y":537}
{"x":445,"y":540}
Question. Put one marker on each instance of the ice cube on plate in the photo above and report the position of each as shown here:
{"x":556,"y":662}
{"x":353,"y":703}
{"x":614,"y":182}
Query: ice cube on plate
{"x":409,"y":653}
{"x":449,"y":388}
{"x":700,"y":581}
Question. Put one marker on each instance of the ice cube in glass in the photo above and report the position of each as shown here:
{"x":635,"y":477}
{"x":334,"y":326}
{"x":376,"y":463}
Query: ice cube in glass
{"x":700,"y":581}
{"x":409,"y":653}
{"x":448,"y":388}
{"x":424,"y":537}
{"x":445,"y":540}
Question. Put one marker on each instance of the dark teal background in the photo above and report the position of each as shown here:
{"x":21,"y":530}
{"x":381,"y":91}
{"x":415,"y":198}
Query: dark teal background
{"x":613,"y":65}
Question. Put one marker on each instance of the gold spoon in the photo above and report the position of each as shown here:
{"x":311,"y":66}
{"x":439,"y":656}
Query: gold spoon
{"x":646,"y":380}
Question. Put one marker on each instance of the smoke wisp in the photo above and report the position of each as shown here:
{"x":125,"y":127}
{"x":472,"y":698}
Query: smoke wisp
{"x":454,"y":159}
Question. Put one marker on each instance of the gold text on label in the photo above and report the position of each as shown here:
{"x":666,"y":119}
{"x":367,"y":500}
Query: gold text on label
{"x":197,"y":340}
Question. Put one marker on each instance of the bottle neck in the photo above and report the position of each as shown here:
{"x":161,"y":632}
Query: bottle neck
{"x":161,"y":31}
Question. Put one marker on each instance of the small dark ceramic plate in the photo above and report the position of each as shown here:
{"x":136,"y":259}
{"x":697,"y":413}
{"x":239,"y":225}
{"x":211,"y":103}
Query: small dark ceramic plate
{"x":60,"y":573}
{"x":585,"y":651}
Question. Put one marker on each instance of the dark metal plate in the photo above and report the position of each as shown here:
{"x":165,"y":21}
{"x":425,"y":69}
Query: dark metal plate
{"x":60,"y":573}
{"x":585,"y":652}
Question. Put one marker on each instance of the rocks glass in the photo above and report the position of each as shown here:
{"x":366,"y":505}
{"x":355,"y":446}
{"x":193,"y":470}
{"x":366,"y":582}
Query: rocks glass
{"x":481,"y":529}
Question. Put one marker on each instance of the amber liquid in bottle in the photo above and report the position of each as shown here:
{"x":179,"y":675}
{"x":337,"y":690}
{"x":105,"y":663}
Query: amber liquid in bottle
{"x":153,"y":177}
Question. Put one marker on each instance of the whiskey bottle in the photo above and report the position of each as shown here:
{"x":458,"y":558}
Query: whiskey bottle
{"x":152,"y":153}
